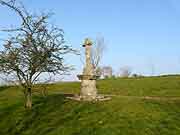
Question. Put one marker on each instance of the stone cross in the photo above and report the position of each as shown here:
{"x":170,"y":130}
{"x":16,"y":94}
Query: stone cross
{"x":88,"y":78}
{"x":88,"y":69}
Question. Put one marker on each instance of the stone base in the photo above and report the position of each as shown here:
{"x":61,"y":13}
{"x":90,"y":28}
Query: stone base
{"x":97,"y":98}
{"x":88,"y":89}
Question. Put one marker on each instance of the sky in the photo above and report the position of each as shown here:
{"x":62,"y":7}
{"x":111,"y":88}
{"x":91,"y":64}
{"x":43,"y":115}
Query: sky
{"x":141,"y":34}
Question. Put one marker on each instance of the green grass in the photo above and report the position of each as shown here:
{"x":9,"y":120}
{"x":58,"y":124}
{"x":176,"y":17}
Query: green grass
{"x":149,"y":86}
{"x":56,"y":115}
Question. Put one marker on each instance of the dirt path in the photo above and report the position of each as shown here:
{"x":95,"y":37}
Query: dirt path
{"x":147,"y":97}
{"x":172,"y":98}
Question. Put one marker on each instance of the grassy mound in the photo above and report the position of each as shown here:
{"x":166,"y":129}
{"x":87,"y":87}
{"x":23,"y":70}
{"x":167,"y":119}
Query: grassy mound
{"x":56,"y":115}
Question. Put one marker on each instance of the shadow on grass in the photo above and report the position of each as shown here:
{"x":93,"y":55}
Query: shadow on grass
{"x":2,"y":88}
{"x":55,"y":99}
{"x":19,"y":119}
{"x":50,"y":115}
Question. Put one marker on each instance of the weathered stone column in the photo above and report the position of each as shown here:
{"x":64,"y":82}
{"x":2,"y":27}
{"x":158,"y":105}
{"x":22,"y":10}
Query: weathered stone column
{"x":88,"y":78}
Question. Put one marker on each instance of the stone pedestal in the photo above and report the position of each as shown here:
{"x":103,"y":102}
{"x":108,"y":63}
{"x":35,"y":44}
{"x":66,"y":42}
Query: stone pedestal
{"x":88,"y":87}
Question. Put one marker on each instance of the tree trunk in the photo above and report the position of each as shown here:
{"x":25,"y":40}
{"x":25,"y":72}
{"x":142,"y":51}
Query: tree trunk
{"x":28,"y":98}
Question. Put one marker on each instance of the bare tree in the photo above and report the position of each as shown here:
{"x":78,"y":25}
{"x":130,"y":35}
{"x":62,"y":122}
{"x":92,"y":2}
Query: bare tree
{"x":42,"y":87}
{"x":97,"y":52}
{"x":33,"y":48}
{"x":125,"y":71}
{"x":107,"y":71}
{"x":152,"y":67}
{"x":99,"y":72}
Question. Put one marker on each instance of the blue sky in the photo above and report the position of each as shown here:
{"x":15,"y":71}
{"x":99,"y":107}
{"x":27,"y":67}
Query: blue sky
{"x":139,"y":33}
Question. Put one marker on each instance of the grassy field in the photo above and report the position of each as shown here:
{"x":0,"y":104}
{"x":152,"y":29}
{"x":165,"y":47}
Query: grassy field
{"x":123,"y":115}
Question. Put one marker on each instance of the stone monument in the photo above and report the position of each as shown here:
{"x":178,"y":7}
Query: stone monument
{"x":88,"y":78}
